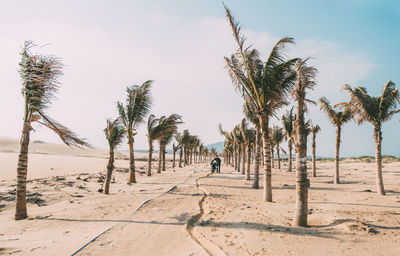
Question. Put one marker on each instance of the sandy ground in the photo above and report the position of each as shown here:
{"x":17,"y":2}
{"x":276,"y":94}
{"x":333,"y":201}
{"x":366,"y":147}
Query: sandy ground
{"x":202,"y":214}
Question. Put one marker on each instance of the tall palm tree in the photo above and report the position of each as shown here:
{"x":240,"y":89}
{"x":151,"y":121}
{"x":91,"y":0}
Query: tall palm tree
{"x":314,"y":129}
{"x":337,"y":118}
{"x":289,"y":130}
{"x":266,"y":85}
{"x":305,"y":80}
{"x":249,"y":112}
{"x":114,"y":134}
{"x":39,"y":75}
{"x":375,"y":110}
{"x":277,"y":138}
{"x":185,"y":143}
{"x":132,"y":114}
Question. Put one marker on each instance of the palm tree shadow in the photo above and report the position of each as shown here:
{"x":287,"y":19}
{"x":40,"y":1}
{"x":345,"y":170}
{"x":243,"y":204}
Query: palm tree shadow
{"x":341,"y":221}
{"x":180,"y":223}
{"x":298,"y":231}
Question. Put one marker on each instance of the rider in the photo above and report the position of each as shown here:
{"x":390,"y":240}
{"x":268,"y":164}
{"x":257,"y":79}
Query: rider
{"x":217,"y":160}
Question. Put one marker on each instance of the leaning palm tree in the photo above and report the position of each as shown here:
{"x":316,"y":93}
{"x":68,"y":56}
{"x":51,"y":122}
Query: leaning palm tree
{"x":178,"y":138}
{"x":305,"y":80}
{"x":114,"y":134}
{"x":266,"y":85}
{"x":174,"y":149}
{"x":289,"y":130}
{"x":375,"y":110}
{"x":249,"y":112}
{"x":39,"y":75}
{"x":132,"y":114}
{"x":314,"y":130}
{"x":337,"y":118}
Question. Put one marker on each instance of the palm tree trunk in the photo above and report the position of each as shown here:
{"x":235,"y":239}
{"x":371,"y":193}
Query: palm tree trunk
{"x":239,"y":158}
{"x":279,"y":157}
{"x":337,"y":149}
{"x":191,"y":156}
{"x":180,"y":157}
{"x":159,"y":159}
{"x":378,"y":159}
{"x":290,"y":144}
{"x":272,"y":157}
{"x":110,"y":167}
{"x":257,"y":161}
{"x":267,"y":159}
{"x":150,"y":156}
{"x":163,"y":157}
{"x":243,"y":158}
{"x":302,"y":183}
{"x":314,"y":166}
{"x":235,"y":157}
{"x":248,"y":161}
{"x":173,"y":159}
{"x":132,"y":176}
{"x":22,"y":171}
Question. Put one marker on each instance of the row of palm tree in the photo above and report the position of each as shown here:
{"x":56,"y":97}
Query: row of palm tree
{"x":266,"y":87}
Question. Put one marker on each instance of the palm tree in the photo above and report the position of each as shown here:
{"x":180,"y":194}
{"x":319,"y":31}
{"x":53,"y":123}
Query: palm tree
{"x":314,"y":129}
{"x":266,"y":85}
{"x":134,"y":113}
{"x":277,"y":138}
{"x":114,"y":134}
{"x":375,"y":110}
{"x":288,"y":127}
{"x":178,"y":138}
{"x":248,"y":135}
{"x":39,"y":75}
{"x":337,"y":118}
{"x":305,"y":80}
{"x":249,"y":112}
{"x":160,"y":128}
{"x":174,"y":149}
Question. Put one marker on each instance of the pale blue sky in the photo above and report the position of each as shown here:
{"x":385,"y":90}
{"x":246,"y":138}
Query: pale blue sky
{"x":108,"y":45}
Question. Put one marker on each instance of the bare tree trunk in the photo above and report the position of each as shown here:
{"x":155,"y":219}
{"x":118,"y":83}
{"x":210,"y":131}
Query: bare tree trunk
{"x":257,"y":161}
{"x":337,"y":149}
{"x":378,"y":159}
{"x":314,"y":166}
{"x":243,"y":158}
{"x":110,"y":167}
{"x":132,"y":176}
{"x":248,"y":161}
{"x":150,"y":156}
{"x":22,"y":171}
{"x":191,"y":155}
{"x":267,"y":159}
{"x":290,"y":143}
{"x":302,"y":183}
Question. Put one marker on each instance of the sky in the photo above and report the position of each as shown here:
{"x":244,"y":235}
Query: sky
{"x":109,"y":45}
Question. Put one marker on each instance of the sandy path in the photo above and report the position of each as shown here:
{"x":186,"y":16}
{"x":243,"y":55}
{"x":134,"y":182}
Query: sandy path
{"x":158,"y":228}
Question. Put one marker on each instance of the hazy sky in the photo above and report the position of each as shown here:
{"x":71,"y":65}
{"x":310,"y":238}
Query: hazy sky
{"x":109,"y":45}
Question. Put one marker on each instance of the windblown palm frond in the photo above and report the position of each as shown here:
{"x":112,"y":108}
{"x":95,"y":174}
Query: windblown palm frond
{"x":336,"y":117}
{"x":114,"y":132}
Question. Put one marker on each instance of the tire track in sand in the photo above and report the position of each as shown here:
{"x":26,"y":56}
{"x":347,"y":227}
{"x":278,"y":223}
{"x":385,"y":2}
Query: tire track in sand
{"x":210,"y":247}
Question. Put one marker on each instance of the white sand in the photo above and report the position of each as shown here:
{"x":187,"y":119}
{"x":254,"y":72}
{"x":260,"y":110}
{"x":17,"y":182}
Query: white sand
{"x":67,"y":212}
